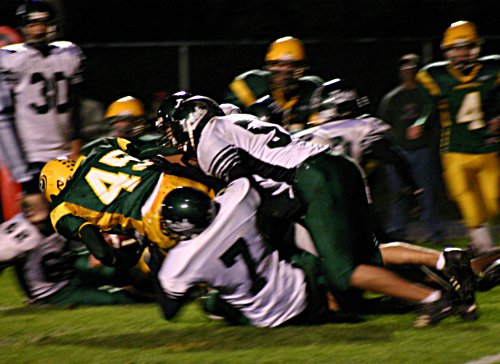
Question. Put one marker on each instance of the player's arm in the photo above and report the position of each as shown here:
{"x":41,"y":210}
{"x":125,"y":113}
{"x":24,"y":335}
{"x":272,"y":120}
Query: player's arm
{"x":93,"y":239}
{"x":75,"y":94}
{"x":11,"y":152}
{"x":429,"y":92}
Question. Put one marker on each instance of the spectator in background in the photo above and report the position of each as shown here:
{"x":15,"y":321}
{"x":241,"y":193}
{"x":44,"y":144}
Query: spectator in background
{"x":464,"y":91}
{"x":400,"y":108}
{"x":39,"y":110}
{"x":283,"y":80}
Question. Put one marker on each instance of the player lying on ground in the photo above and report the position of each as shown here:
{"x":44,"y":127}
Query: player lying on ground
{"x":52,"y":271}
{"x":221,"y":247}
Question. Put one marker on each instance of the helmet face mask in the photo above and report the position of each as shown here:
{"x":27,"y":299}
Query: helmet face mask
{"x":36,"y":18}
{"x":126,"y":117}
{"x":285,"y":59}
{"x":461,"y":44}
{"x":463,"y":57}
{"x":189,"y":119}
{"x":186,"y":212}
{"x":164,"y":121}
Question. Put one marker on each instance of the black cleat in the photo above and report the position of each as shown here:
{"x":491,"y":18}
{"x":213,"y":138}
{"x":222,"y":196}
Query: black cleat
{"x":433,"y":312}
{"x":467,"y":311}
{"x":458,"y":270}
{"x":490,"y":277}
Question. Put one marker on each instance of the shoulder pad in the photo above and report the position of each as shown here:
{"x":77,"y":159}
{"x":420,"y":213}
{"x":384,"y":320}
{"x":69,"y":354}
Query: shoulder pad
{"x":253,"y":74}
{"x":316,"y":80}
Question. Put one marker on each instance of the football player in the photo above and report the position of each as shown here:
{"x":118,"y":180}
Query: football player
{"x":340,"y":120}
{"x":284,"y":79}
{"x":464,"y":90}
{"x":301,"y":181}
{"x":127,"y":119}
{"x":222,"y":248}
{"x":109,"y":190}
{"x":53,"y":271}
{"x":39,"y":118}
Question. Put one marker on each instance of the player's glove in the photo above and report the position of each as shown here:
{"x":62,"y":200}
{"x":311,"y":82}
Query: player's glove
{"x":161,"y":164}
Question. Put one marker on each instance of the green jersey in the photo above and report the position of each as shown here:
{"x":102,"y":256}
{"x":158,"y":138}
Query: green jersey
{"x":116,"y":192}
{"x":254,"y":84}
{"x":464,"y":102}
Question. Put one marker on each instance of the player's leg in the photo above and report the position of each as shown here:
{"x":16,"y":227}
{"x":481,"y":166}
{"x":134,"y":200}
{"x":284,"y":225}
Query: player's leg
{"x":337,"y":218}
{"x":488,"y":180}
{"x":458,"y":172}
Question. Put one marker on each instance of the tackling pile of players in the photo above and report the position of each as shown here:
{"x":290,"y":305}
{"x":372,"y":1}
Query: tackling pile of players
{"x":267,"y":213}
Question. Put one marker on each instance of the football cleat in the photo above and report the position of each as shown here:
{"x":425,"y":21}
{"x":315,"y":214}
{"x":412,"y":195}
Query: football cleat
{"x":467,"y":311}
{"x":431,"y":313}
{"x":458,"y":270}
{"x":490,"y":277}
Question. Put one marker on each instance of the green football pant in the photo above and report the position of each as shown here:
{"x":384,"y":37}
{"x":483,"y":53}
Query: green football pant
{"x":337,"y":216}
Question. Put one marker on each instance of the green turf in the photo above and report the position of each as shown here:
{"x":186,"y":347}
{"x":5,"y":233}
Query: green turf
{"x":137,"y":334}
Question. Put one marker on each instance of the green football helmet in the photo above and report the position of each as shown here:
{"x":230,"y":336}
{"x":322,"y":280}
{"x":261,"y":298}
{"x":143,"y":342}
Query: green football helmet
{"x":186,"y":212}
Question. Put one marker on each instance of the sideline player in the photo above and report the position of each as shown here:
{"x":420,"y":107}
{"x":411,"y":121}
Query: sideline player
{"x":283,"y":79}
{"x":464,"y":91}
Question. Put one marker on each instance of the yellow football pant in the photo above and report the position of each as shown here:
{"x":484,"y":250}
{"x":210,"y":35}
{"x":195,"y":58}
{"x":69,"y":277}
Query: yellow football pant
{"x":473,"y":181}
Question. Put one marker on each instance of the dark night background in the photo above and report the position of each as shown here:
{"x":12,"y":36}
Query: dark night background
{"x":132,"y":45}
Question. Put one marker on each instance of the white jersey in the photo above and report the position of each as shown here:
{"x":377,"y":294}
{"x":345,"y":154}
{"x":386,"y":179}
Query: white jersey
{"x":264,"y":149}
{"x":40,"y":85}
{"x":230,"y":255}
{"x":352,"y":137}
{"x":20,"y":239}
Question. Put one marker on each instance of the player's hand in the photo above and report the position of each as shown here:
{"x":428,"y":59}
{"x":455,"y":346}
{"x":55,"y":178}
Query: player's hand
{"x":414,"y":132}
{"x":161,"y":164}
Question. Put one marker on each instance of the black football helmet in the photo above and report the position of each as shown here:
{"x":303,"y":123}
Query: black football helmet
{"x":189,"y":119}
{"x":165,"y":112}
{"x":336,"y":100}
{"x":36,"y":11}
{"x":186,"y":212}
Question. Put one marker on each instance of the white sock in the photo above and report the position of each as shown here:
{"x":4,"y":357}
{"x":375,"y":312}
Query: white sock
{"x":441,"y":262}
{"x":481,"y":238}
{"x":433,"y":297}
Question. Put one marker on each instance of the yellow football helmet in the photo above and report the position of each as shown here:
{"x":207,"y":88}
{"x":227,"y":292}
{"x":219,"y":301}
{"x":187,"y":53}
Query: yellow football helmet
{"x":127,"y":109}
{"x":459,"y":34}
{"x":286,"y":49}
{"x":55,"y":175}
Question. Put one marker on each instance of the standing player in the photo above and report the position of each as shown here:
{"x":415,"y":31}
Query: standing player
{"x":465,"y":91}
{"x":297,"y":180}
{"x":283,"y":80}
{"x":38,"y":108}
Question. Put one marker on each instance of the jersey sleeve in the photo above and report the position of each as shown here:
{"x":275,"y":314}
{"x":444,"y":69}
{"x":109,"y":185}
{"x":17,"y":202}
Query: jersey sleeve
{"x":68,"y":226}
{"x":246,"y":88}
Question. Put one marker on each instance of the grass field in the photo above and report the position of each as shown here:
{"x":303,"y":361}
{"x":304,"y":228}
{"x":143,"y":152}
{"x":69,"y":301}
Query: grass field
{"x":138,"y":334}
